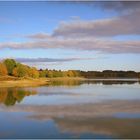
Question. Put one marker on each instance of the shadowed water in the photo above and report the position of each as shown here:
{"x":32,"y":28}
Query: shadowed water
{"x":72,"y":109}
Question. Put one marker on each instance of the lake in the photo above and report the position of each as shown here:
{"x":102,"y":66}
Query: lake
{"x":72,"y":109}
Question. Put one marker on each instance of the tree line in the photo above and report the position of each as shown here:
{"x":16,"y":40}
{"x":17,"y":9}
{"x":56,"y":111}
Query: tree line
{"x":13,"y":68}
{"x":16,"y":69}
{"x":110,"y":74}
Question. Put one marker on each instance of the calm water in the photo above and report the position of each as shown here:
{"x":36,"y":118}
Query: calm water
{"x":72,"y":109}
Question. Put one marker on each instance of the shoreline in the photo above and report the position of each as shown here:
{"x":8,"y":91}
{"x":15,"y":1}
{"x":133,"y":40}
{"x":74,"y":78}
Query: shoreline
{"x":10,"y":81}
{"x":66,"y":78}
{"x":23,"y":83}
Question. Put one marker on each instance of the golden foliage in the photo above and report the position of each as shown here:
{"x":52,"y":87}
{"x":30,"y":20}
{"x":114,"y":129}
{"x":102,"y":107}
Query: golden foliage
{"x":3,"y":70}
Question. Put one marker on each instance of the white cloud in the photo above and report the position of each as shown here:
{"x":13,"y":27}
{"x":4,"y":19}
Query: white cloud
{"x":100,"y":45}
{"x":38,"y":36}
{"x":87,"y":35}
{"x":40,"y":60}
{"x":123,"y":25}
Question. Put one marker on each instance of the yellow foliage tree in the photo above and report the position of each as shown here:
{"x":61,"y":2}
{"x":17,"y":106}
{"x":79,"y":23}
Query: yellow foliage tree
{"x":20,"y":71}
{"x":33,"y":72}
{"x":70,"y":73}
{"x":3,"y":69}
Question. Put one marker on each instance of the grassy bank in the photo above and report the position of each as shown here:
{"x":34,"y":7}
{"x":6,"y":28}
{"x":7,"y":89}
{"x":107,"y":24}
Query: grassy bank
{"x":10,"y":81}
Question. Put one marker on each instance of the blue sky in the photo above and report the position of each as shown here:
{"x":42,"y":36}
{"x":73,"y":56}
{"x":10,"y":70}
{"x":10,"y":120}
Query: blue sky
{"x":86,"y":35}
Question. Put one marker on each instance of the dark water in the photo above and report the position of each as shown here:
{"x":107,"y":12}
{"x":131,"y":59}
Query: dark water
{"x":72,"y":109}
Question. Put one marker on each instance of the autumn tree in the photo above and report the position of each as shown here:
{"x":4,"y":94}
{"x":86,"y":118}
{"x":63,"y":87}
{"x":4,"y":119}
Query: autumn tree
{"x":33,"y":72}
{"x":64,"y":74}
{"x":76,"y":73}
{"x":3,"y":69}
{"x":20,"y":71}
{"x":70,"y":73}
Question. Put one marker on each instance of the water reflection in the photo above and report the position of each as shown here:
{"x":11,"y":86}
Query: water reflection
{"x":115,"y":127}
{"x":66,"y":82}
{"x":80,"y":91}
{"x":93,"y":81}
{"x":11,"y":96}
{"x":79,"y":121}
{"x":69,"y":109}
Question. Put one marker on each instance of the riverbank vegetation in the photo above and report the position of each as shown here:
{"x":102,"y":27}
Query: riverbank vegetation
{"x":10,"y":68}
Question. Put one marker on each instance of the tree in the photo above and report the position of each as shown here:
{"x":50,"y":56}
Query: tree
{"x":75,"y":73}
{"x":64,"y":73}
{"x":42,"y":73}
{"x":70,"y":73}
{"x":20,"y":71}
{"x":3,"y":70}
{"x":49,"y":74}
{"x":33,"y":72}
{"x":139,"y":75}
{"x":10,"y":65}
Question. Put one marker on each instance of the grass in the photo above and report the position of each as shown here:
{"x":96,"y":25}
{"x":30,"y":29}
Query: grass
{"x":10,"y":81}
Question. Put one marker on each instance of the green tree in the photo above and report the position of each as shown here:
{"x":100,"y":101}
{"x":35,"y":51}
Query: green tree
{"x":49,"y":73}
{"x":42,"y":73}
{"x":10,"y":65}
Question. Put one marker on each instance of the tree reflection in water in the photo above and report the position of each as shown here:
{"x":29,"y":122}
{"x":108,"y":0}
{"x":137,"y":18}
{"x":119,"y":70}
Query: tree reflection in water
{"x":11,"y":96}
{"x":93,"y":81}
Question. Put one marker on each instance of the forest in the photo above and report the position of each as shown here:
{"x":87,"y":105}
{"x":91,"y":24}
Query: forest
{"x":13,"y":68}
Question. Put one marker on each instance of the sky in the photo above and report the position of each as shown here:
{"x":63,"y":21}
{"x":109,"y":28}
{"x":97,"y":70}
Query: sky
{"x":71,"y":35}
